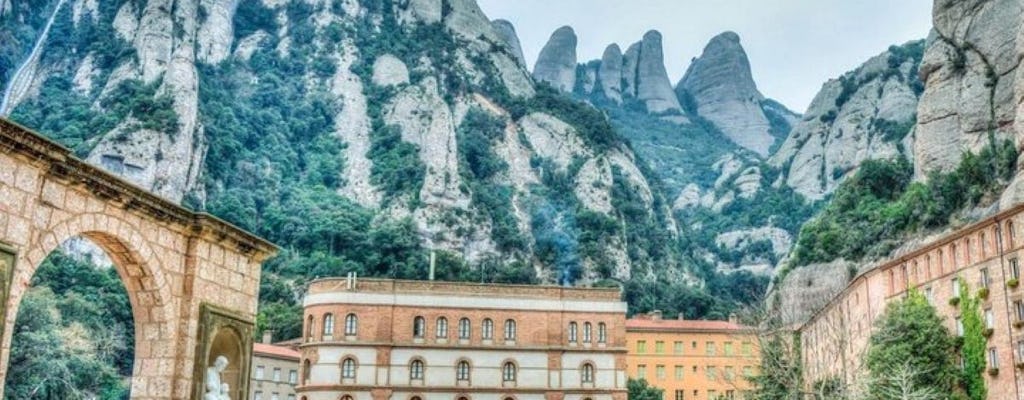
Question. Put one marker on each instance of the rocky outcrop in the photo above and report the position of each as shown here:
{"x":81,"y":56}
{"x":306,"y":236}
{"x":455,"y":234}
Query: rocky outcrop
{"x":388,"y":70}
{"x":652,"y":85}
{"x":556,"y":63}
{"x":743,"y":240}
{"x":867,"y":113}
{"x":723,"y":91}
{"x":609,"y":74}
{"x":508,"y":35}
{"x":216,"y":33}
{"x":973,"y":85}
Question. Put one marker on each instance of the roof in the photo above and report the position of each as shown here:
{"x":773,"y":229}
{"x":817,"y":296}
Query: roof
{"x":263,"y":349}
{"x":680,"y":325}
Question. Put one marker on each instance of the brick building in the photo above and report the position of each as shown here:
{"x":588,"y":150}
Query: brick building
{"x":982,"y":255}
{"x":425,"y":340}
{"x":691,"y":360}
{"x":275,"y":370}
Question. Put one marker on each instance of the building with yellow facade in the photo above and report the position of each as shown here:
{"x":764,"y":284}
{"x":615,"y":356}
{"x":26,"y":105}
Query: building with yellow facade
{"x":691,"y":360}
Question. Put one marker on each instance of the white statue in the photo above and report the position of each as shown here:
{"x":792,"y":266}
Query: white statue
{"x":215,"y":390}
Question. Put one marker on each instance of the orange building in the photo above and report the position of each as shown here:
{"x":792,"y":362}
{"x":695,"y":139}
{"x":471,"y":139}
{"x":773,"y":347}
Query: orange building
{"x":691,"y":360}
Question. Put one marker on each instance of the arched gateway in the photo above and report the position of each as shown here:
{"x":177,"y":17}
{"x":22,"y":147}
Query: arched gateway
{"x":192,"y":279}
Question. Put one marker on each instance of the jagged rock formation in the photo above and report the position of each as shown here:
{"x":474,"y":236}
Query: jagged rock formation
{"x":973,"y":85}
{"x":639,"y":75}
{"x":556,"y":63}
{"x":778,"y":240}
{"x":299,"y":96}
{"x":722,"y":90}
{"x":507,"y":32}
{"x":867,"y":113}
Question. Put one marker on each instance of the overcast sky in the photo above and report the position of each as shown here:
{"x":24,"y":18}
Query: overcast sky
{"x":794,"y":46}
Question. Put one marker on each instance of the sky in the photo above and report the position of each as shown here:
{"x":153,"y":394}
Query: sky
{"x":794,"y":46}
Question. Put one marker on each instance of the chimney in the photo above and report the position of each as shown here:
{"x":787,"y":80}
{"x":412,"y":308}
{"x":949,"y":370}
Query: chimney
{"x":681,"y":317}
{"x":268,"y":336}
{"x":656,"y":315}
{"x":433,"y":263}
{"x":733,"y":318}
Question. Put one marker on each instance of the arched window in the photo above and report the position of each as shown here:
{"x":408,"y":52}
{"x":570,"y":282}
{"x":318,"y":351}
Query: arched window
{"x":587,"y":373}
{"x":346,"y":397}
{"x":967,"y":250}
{"x":416,"y":370}
{"x":508,"y":372}
{"x":309,"y":328}
{"x":587,"y":331}
{"x":572,"y":332}
{"x":1010,"y":236}
{"x":419,"y":327}
{"x":351,"y":325}
{"x":415,"y":398}
{"x":442,"y":327}
{"x":462,"y":371}
{"x":464,"y":329}
{"x":328,"y":324}
{"x":510,"y":329}
{"x":942,"y":263}
{"x":602,"y":333}
{"x":348,"y":368}
{"x":488,"y":329}
{"x":953,"y":255}
{"x":984,"y":245}
{"x":305,"y":372}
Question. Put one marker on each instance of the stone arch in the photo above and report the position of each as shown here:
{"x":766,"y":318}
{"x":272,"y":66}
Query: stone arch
{"x":139,"y":270}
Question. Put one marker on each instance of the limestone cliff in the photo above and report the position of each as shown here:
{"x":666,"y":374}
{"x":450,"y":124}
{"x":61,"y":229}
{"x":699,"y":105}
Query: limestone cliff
{"x":867,"y":113}
{"x":722,"y":90}
{"x":415,"y":110}
{"x":556,"y":63}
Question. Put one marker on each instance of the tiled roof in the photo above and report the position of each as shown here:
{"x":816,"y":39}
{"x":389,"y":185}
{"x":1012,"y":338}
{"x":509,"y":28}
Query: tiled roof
{"x":263,"y":349}
{"x":680,"y":325}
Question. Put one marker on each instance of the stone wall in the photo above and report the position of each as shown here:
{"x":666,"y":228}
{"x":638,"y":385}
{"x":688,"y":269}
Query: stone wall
{"x":170,"y":259}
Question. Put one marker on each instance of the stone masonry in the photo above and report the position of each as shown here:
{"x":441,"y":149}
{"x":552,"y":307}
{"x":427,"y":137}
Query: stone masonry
{"x":171,"y":260}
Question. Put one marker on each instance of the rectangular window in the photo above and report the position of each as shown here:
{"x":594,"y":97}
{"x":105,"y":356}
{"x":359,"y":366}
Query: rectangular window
{"x":1018,"y":306}
{"x":709,"y":348}
{"x":1020,"y":350}
{"x":984,"y":277}
{"x":680,"y":394}
{"x":956,"y":287}
{"x":641,"y":371}
{"x":727,"y":346}
{"x":293,"y":377}
{"x":641,"y":346}
{"x":929,"y":295}
{"x":993,"y":358}
{"x":711,"y":373}
{"x":660,"y":371}
{"x":258,"y":395}
{"x":259,"y":372}
{"x":730,"y":373}
{"x":277,"y":374}
{"x":679,"y":372}
{"x":748,"y":371}
{"x":659,"y":347}
{"x":990,"y":319}
{"x":693,"y":344}
{"x":677,"y":347}
{"x":275,"y":396}
{"x":748,"y":348}
{"x":959,"y":327}
{"x":713,"y":394}
{"x":1014,"y":268}
{"x":291,"y":397}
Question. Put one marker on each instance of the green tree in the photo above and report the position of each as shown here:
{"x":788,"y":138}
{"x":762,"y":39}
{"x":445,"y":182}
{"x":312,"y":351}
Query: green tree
{"x":640,"y":390}
{"x":974,"y":343}
{"x":910,"y":336}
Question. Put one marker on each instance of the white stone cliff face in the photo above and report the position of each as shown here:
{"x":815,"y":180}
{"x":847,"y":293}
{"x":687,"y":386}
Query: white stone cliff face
{"x":720,"y":83}
{"x":830,"y":142}
{"x":556,"y":63}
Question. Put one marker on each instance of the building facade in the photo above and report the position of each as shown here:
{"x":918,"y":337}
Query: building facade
{"x":373,"y":339}
{"x":985,"y":255}
{"x":275,"y":371}
{"x":691,"y":360}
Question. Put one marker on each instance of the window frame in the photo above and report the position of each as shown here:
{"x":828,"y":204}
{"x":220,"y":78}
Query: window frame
{"x":465,"y":328}
{"x":351,"y":324}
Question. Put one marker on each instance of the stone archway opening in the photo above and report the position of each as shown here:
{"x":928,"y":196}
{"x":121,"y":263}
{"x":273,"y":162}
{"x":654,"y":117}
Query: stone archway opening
{"x":82,"y":322}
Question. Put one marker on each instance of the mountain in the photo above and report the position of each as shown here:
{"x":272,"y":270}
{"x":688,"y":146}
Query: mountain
{"x":959,"y":161}
{"x":866,"y":113}
{"x":364,"y":135}
{"x":721,"y":89}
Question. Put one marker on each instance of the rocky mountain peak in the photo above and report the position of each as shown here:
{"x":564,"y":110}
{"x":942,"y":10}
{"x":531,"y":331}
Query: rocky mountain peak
{"x":610,"y":73}
{"x":653,"y":87}
{"x":507,"y":32}
{"x":556,"y":63}
{"x":722,"y":90}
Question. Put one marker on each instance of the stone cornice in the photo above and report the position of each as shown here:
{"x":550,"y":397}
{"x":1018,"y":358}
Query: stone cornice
{"x":63,"y":166}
